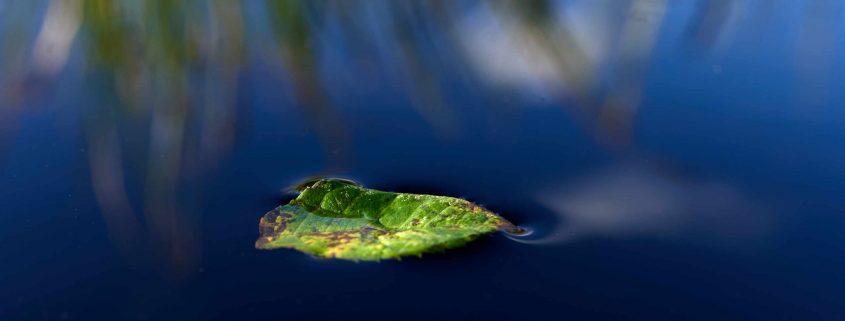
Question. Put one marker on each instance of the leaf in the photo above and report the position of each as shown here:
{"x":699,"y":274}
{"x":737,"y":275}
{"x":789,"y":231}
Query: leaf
{"x":335,"y":219}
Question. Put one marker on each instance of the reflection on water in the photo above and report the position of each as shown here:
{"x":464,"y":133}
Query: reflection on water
{"x":171,"y":70}
{"x":636,"y":198}
{"x":176,"y":103}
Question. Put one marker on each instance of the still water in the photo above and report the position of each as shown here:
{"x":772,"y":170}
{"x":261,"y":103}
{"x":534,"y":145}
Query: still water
{"x":675,"y":160}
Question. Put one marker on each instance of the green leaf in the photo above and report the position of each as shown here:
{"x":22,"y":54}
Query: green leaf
{"x":336,"y":219}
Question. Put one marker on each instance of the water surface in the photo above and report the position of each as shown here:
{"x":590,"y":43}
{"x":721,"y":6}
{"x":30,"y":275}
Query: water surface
{"x":673,"y":159}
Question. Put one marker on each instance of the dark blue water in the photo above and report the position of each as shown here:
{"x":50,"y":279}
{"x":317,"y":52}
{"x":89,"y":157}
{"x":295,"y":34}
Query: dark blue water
{"x":675,"y":160}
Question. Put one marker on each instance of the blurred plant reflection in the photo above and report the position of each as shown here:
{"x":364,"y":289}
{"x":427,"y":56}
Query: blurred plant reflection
{"x":169,"y":71}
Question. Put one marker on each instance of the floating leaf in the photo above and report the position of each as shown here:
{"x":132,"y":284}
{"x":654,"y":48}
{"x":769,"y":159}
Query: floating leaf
{"x":335,"y":219}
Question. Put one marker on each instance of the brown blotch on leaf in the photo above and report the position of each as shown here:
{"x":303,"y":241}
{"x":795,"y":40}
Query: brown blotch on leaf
{"x":336,"y":238}
{"x":273,"y":223}
{"x":340,"y":237}
{"x":470,"y":206}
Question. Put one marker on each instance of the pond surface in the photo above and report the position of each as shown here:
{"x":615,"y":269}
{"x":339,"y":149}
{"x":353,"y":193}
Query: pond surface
{"x":675,"y":160}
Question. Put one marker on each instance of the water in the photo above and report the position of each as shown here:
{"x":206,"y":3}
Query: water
{"x":672,"y":160}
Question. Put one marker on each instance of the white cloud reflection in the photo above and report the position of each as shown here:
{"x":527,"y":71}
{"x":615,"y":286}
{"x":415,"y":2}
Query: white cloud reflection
{"x":634,"y":199}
